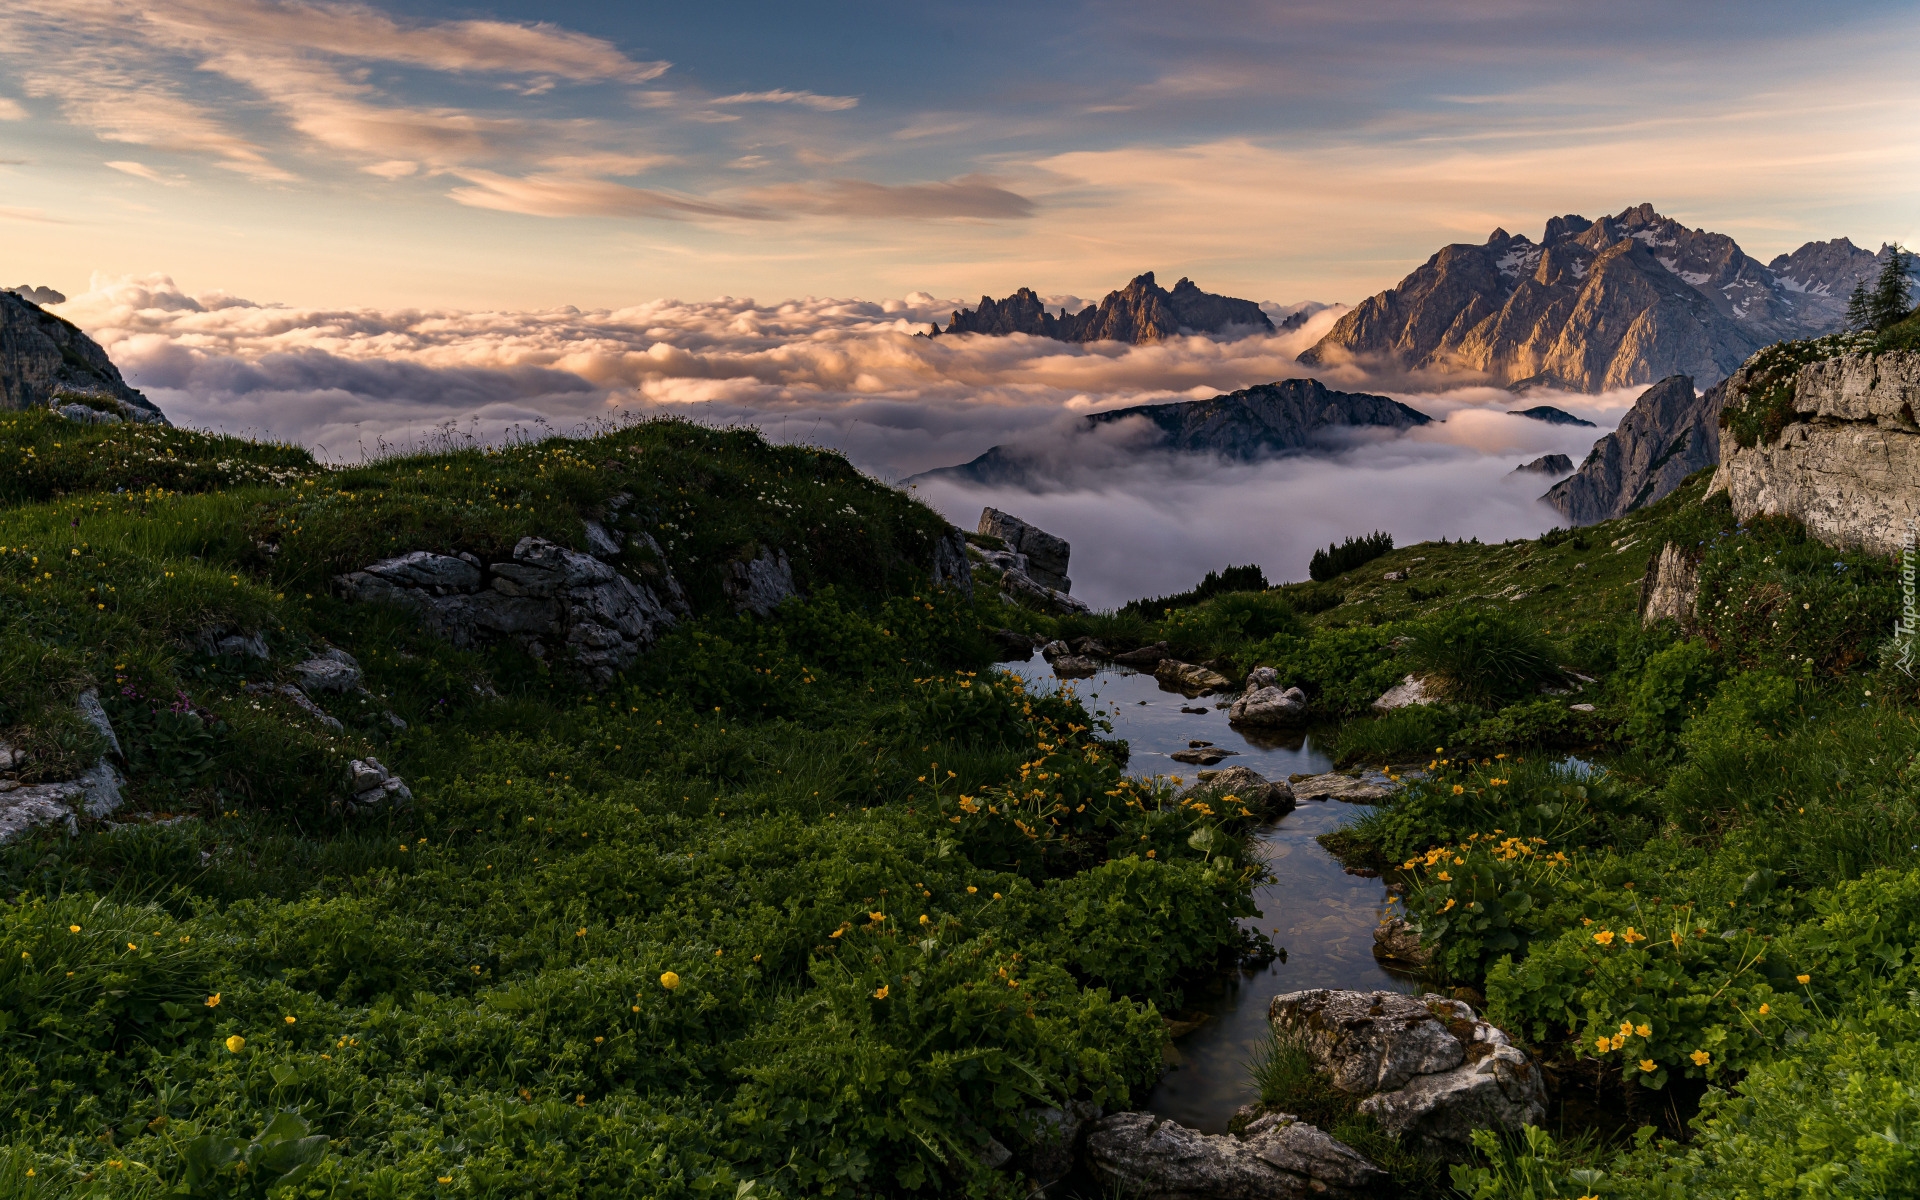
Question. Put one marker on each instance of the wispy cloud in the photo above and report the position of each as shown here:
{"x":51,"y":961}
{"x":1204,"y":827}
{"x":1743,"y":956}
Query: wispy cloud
{"x":975,"y":196}
{"x":811,"y":100}
{"x":558,"y":195}
{"x":12,"y":110}
{"x":141,"y":171}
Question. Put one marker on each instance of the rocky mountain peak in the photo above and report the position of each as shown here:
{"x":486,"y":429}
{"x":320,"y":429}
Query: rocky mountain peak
{"x":46,"y":360}
{"x":1139,"y":313}
{"x":1619,"y":301}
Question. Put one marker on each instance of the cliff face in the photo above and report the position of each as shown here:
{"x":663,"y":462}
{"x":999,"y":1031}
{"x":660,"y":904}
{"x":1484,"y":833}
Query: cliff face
{"x":1266,"y":421}
{"x":1848,"y":464}
{"x":1139,"y":313}
{"x":1617,"y":302}
{"x":1667,"y":435}
{"x":42,"y":356}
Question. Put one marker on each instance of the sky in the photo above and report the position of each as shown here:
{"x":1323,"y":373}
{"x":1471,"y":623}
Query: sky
{"x":519,"y":155}
{"x":370,"y":226}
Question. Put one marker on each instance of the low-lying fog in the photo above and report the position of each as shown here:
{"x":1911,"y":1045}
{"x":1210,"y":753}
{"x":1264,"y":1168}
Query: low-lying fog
{"x":851,"y":375}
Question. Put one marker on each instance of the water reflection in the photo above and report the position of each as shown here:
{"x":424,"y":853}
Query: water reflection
{"x":1323,"y":916}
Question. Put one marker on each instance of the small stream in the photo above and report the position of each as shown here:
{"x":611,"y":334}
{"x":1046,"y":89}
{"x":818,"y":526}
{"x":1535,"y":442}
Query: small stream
{"x":1320,"y":914}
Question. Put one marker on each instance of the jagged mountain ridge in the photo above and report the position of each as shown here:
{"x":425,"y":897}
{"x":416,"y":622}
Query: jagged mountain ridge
{"x":1667,"y":435}
{"x":43,"y":356}
{"x":1265,"y":421}
{"x":1139,"y":313}
{"x":1621,"y":301}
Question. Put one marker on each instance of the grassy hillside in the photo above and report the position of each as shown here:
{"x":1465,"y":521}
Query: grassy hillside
{"x":815,"y":905}
{"x":1699,"y":902}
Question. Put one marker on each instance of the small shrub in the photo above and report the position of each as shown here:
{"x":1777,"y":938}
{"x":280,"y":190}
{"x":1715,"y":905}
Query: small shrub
{"x":1249,"y":578}
{"x":1666,"y":693}
{"x":1482,"y":656}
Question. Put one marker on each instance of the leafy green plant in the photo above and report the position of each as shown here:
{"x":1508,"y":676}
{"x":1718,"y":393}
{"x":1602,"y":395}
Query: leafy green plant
{"x":1482,"y":656}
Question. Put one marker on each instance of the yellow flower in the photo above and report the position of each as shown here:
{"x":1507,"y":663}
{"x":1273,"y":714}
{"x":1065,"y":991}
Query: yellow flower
{"x":669,"y":980}
{"x":290,"y":1020}
{"x":1700,"y":1058}
{"x":1626,"y":1027}
{"x":1765,"y":1009}
{"x":1604,"y":937}
{"x":1630,"y":936}
{"x":924,"y":920}
{"x":131,"y":946}
{"x":1603,"y":1044}
{"x":1450,"y":904}
{"x":996,"y":895}
{"x":1646,"y":1064}
{"x":1643,"y":1030}
{"x":213,"y":1001}
{"x":73,"y":929}
{"x":234,"y":1044}
{"x":446,"y":1178}
{"x":1443,"y":877}
{"x":1457,"y":789}
{"x":1674,"y":937}
{"x":1803,"y":979}
{"x":874,"y":916}
{"x":971,"y":889}
{"x":882,"y":993}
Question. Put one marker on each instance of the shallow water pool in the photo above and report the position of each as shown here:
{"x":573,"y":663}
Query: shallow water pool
{"x":1320,"y":914}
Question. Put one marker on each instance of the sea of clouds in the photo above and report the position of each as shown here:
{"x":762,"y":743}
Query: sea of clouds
{"x":853,"y":375}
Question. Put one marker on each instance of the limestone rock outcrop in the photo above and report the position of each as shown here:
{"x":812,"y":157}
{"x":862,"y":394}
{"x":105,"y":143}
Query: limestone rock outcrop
{"x":1594,"y":305}
{"x":44,"y":358}
{"x":1140,"y":313}
{"x":95,"y":792}
{"x":1277,"y":1157}
{"x":951,"y":566}
{"x":1431,"y":1070}
{"x":1045,"y":555}
{"x":761,"y":584}
{"x":547,"y":598}
{"x":373,"y":787}
{"x":1667,"y":435}
{"x":1670,"y":587}
{"x":1848,"y":465}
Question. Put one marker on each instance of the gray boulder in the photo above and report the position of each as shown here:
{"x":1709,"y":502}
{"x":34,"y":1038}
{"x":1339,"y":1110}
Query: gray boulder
{"x":1395,"y":941}
{"x":1024,"y":589}
{"x":1269,"y":706}
{"x":1046,"y":554}
{"x":1669,"y":588}
{"x":373,"y":787}
{"x":1011,"y":646}
{"x":1074,"y":666}
{"x":1432,"y":1071}
{"x":1278,"y":1157}
{"x":334,"y":670}
{"x":761,"y":584}
{"x":1145,"y":656}
{"x":1407,"y":693}
{"x":1335,"y":786}
{"x":1189,"y":678}
{"x":1262,"y":795}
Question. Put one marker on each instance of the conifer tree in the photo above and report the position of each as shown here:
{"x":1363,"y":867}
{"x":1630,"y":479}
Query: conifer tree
{"x":1859,"y":309}
{"x":1889,"y":303}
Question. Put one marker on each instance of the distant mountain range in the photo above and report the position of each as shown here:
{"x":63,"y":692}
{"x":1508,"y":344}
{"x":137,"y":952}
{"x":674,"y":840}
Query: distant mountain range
{"x":1139,"y":313}
{"x":1617,"y":302}
{"x":1266,"y":421}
